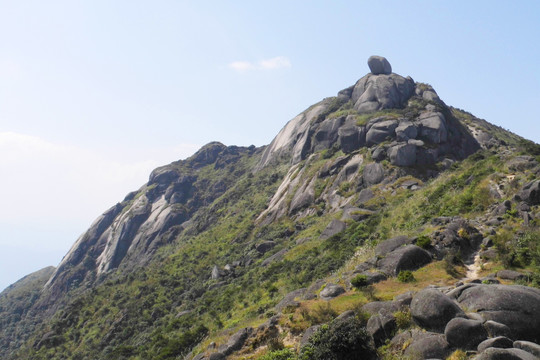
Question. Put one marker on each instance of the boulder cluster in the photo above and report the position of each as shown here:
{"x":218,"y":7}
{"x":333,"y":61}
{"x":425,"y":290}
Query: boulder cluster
{"x":493,"y":321}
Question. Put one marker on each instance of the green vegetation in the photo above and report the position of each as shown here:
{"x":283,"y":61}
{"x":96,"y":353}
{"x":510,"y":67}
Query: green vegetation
{"x":423,"y":241}
{"x":359,"y":281}
{"x":284,"y":354}
{"x":406,"y":276}
{"x":339,"y":340}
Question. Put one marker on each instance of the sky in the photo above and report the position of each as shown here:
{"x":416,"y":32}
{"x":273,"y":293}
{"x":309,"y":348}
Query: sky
{"x":95,"y":94}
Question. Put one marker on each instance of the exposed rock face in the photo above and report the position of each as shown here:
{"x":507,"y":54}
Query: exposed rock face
{"x":517,"y":307}
{"x":377,"y":92}
{"x":379,"y":65}
{"x":530,"y":193}
{"x":129,"y":233}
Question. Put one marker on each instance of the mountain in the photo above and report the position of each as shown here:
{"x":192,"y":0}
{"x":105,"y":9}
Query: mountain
{"x":414,"y":221}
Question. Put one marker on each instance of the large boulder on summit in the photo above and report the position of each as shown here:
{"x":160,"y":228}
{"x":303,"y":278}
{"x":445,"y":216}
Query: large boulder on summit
{"x":410,"y":257}
{"x":379,"y":65}
{"x":432,"y":310}
{"x":515,"y":306}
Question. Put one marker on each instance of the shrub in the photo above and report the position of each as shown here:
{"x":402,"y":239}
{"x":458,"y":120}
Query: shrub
{"x":405,"y":276}
{"x":403,"y":319}
{"x":284,"y":354}
{"x":359,"y":281}
{"x":342,"y":339}
{"x":423,"y":241}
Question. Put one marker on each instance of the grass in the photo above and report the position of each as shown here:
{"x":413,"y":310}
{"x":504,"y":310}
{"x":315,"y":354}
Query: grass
{"x":431,"y":274}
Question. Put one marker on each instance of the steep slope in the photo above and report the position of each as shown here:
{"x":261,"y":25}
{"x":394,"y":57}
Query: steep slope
{"x":233,"y":236}
{"x":15,"y":302}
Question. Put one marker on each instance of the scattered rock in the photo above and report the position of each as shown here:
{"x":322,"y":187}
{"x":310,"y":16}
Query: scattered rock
{"x":379,"y":154}
{"x":381,"y":327}
{"x":265,"y":246}
{"x":511,"y":275}
{"x":500,"y":342}
{"x":351,"y":138}
{"x":410,"y":257}
{"x":276,"y":257}
{"x":429,"y":345}
{"x":216,"y":273}
{"x":345,"y":315}
{"x":402,"y":154}
{"x":365,"y":195}
{"x":308,"y":334}
{"x":528,"y":346}
{"x":516,"y":306}
{"x":496,"y":329}
{"x":432,"y":310}
{"x":505,"y":354}
{"x":406,"y":130}
{"x":464,"y":333}
{"x":331,"y":291}
{"x":335,"y":227}
{"x":373,"y":174}
{"x":520,"y":163}
{"x":379,"y":65}
{"x":235,"y":342}
{"x":530,"y":193}
{"x":288,"y":300}
{"x":386,"y":246}
{"x":433,"y":127}
{"x":380,"y":131}
{"x":373,"y":277}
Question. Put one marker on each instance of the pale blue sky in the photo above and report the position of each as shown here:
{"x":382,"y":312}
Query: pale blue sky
{"x":94,"y":94}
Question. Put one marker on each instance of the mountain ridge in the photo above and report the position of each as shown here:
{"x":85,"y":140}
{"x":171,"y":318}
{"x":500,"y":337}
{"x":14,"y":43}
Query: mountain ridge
{"x":213,"y":225}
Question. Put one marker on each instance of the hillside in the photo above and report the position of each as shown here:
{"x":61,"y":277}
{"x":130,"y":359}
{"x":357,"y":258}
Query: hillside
{"x":329,"y":243}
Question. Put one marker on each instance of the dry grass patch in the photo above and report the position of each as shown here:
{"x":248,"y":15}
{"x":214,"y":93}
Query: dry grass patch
{"x":431,"y":274}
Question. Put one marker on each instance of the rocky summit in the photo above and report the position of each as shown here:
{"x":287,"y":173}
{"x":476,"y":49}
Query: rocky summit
{"x":380,"y":223}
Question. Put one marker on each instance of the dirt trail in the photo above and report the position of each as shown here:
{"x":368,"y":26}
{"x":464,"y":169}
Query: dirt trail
{"x":473,"y":269}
